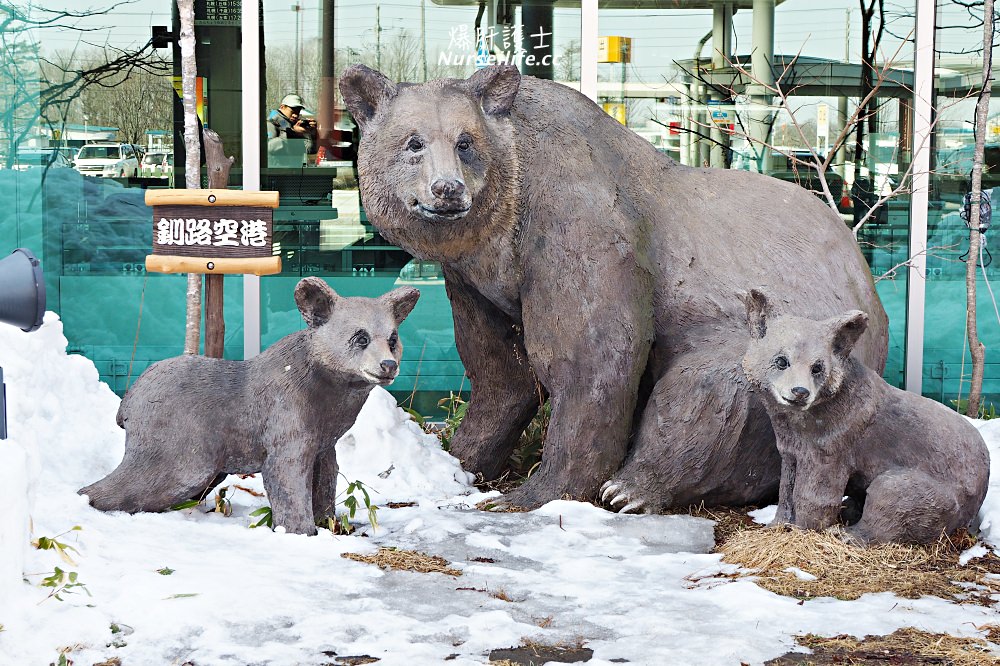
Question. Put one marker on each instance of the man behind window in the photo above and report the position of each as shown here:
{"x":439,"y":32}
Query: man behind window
{"x":290,"y":121}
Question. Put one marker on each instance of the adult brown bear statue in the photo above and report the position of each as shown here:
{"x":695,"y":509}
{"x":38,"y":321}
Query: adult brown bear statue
{"x":583,"y":265}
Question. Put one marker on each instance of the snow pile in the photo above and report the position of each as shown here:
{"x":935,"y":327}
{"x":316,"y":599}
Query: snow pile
{"x":388,"y":452}
{"x":989,"y":515}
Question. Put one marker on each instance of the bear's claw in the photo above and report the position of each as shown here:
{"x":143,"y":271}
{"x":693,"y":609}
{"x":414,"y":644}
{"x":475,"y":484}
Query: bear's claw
{"x":618,"y":497}
{"x":609,"y":489}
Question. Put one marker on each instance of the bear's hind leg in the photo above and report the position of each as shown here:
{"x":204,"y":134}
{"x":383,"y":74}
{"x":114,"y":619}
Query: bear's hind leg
{"x":906,"y":506}
{"x":701,"y":438}
{"x":144,"y":483}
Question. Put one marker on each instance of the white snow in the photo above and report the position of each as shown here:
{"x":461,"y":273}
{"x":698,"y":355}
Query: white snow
{"x":636,"y":588}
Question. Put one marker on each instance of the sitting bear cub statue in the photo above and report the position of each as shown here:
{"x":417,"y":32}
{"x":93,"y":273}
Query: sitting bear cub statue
{"x":914,"y":468}
{"x":191,"y":420}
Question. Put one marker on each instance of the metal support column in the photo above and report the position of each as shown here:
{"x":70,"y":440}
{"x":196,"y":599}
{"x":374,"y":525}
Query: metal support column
{"x":923,"y":96}
{"x":251,"y":145}
{"x":762,"y":47}
{"x":722,"y":30}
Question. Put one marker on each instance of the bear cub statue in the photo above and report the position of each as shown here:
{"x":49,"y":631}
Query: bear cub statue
{"x":191,"y":420}
{"x":913,"y":468}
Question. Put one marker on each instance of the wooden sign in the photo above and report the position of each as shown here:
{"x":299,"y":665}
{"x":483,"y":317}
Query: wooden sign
{"x":212,"y":231}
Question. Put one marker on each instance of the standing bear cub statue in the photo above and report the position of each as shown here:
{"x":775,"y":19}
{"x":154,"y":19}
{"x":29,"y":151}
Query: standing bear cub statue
{"x":190,"y":420}
{"x":914,"y":468}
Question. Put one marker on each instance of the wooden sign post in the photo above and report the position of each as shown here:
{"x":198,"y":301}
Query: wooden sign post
{"x":214,"y":232}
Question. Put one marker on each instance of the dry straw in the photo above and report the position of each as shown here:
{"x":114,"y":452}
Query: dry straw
{"x":903,"y":646}
{"x":405,"y":560}
{"x":777,"y":556}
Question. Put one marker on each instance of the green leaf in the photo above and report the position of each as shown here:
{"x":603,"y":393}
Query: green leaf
{"x":190,"y":504}
{"x":165,"y":571}
{"x":267,"y":517}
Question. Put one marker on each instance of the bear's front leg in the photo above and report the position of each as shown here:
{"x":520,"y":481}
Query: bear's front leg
{"x":589,"y":347}
{"x":505,"y":396}
{"x":288,"y":480}
{"x":325,"y":484}
{"x":817,"y":495}
{"x":785,"y":514}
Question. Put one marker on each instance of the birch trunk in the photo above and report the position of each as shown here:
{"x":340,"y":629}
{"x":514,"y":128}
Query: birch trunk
{"x":192,"y":161}
{"x":976,"y":347}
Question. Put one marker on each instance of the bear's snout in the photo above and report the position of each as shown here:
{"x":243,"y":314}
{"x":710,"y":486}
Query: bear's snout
{"x":448,"y":188}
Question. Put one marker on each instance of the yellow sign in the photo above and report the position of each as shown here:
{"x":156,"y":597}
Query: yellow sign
{"x":616,"y":110}
{"x":614,"y":49}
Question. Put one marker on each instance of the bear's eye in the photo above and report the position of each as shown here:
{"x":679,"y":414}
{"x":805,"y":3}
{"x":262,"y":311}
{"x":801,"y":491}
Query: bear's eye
{"x":464,"y":144}
{"x":817,"y":368}
{"x":781,"y":363}
{"x":361,"y":339}
{"x":414,"y":145}
{"x":393,"y":341}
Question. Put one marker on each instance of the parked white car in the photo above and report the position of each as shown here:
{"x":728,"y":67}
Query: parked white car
{"x":107,"y":160}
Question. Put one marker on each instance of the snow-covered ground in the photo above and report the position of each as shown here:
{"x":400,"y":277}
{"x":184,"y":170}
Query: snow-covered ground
{"x":200,"y":587}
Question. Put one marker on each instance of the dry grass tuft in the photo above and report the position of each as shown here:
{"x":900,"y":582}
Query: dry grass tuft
{"x":992,"y":632}
{"x":728,"y":521}
{"x":847,"y":571}
{"x":405,"y":560}
{"x":901,"y":646}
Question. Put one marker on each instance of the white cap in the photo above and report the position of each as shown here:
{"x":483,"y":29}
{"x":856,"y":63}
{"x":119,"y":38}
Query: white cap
{"x":292,"y":101}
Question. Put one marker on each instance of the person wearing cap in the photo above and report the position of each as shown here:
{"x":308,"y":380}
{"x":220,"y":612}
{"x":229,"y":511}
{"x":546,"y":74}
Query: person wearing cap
{"x":291,"y":121}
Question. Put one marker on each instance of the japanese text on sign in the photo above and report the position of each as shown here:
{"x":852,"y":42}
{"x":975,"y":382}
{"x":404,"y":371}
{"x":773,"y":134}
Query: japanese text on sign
{"x":215,"y":233}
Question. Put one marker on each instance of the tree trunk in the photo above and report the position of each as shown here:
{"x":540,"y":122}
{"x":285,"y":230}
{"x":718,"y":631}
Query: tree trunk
{"x":192,"y":161}
{"x":976,"y":347}
{"x":218,"y":166}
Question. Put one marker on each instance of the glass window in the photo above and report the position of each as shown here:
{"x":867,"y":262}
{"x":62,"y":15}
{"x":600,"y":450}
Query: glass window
{"x":89,"y":224}
{"x":812,"y":92}
{"x":957,"y":81}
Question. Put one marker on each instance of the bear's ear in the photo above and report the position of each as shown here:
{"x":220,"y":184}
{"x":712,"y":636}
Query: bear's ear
{"x":401,"y":301}
{"x":758,"y":312}
{"x":847,"y":329}
{"x":496,"y":87}
{"x":364,"y":90}
{"x":315,"y":299}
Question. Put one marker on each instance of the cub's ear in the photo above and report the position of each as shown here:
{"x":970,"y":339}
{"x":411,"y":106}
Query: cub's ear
{"x":847,"y":329}
{"x":496,"y":87}
{"x":759,"y":310}
{"x":364,"y":90}
{"x":315,"y":299}
{"x":401,"y":301}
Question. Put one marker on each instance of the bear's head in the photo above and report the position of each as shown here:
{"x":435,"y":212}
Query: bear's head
{"x":356,"y":337}
{"x":796,"y":363}
{"x":435,"y":158}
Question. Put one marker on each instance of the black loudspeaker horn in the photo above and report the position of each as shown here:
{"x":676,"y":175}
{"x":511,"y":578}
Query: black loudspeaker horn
{"x":22,"y":290}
